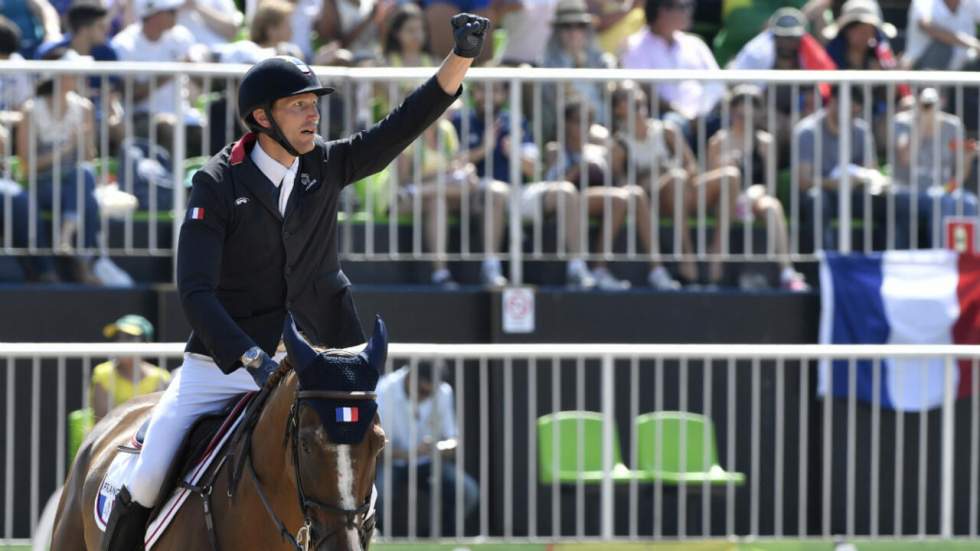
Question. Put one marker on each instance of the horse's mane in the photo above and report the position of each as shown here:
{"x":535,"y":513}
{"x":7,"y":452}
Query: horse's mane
{"x":285,"y":366}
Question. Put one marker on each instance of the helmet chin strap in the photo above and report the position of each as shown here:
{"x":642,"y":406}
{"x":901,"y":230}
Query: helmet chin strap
{"x":276,"y":134}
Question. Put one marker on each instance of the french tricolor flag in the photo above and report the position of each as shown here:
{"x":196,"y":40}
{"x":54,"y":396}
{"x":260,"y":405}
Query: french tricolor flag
{"x":899,"y":297}
{"x":197,"y":213}
{"x":346,"y":415}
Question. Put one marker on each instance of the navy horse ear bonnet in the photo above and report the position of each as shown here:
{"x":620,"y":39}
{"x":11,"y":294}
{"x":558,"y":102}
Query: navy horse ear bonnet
{"x":345,"y":420}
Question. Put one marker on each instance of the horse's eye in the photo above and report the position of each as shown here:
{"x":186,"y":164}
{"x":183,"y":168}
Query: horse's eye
{"x":304,"y":443}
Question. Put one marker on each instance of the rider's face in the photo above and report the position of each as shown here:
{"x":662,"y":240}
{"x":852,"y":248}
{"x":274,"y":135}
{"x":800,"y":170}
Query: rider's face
{"x":298,"y":117}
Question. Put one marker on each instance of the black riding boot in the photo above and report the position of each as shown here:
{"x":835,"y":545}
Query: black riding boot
{"x":126,"y":527}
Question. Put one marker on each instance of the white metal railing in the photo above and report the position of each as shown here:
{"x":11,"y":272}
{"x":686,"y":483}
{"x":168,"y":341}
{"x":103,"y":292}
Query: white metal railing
{"x":813,"y":467}
{"x":387,"y":219}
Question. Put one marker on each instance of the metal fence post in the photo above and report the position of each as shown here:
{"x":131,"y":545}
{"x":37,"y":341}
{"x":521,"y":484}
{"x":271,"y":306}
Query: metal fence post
{"x":180,"y":151}
{"x":844,"y":160}
{"x":946,"y":529}
{"x":516,"y":183}
{"x":608,"y":426}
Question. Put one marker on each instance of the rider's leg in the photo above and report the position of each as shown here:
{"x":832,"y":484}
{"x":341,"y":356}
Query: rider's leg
{"x":199,"y":388}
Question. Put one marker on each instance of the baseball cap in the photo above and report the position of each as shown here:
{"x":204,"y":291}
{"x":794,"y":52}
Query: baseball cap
{"x":788,"y":22}
{"x":131,"y":324}
{"x":146,"y":8}
{"x":928,"y":96}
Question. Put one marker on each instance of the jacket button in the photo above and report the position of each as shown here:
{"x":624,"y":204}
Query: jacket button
{"x":289,"y":271}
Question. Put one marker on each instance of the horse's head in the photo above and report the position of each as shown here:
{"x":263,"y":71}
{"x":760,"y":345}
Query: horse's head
{"x":335,"y":437}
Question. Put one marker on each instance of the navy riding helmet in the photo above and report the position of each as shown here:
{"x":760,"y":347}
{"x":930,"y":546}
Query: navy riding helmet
{"x":271,"y":79}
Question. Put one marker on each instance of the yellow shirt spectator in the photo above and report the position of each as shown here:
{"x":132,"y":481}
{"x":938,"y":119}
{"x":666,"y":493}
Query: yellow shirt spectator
{"x":119,"y":389}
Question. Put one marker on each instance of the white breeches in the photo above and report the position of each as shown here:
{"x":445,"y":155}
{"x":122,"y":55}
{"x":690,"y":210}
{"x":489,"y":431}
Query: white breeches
{"x":197,"y":389}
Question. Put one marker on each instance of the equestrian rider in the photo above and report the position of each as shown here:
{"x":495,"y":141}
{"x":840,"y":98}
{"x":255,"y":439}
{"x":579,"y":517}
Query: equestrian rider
{"x":259,"y":238}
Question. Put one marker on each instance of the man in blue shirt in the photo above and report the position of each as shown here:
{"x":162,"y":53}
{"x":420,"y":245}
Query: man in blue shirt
{"x":88,"y":34}
{"x":88,"y":25}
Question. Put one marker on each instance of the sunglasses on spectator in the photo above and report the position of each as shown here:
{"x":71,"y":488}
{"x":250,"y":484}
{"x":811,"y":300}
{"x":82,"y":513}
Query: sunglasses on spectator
{"x":680,"y":6}
{"x":576,"y":26}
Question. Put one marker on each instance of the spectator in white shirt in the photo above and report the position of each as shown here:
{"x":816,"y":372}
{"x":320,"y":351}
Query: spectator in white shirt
{"x":423,"y":424}
{"x":156,"y":36}
{"x":210,"y":22}
{"x":15,"y":88}
{"x":664,"y":44}
{"x":354,"y":25}
{"x":526,"y":36}
{"x":942,"y":34}
{"x":270,"y":34}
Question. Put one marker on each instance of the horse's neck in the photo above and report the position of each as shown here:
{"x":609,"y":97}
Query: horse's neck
{"x":270,"y":449}
{"x":269,"y":457}
{"x":269,"y":436}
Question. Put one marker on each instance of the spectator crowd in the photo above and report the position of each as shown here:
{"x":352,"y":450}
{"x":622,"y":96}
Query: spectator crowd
{"x":625,"y":155}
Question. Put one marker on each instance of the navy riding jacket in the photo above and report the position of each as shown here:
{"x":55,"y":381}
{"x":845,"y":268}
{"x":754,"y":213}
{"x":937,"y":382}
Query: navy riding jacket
{"x":240,"y":265}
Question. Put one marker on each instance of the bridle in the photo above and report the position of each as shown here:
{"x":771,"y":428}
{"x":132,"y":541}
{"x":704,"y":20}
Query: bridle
{"x":302,"y":541}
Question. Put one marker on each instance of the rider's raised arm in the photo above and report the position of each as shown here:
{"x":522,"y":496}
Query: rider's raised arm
{"x":199,"y":252}
{"x":372,"y":149}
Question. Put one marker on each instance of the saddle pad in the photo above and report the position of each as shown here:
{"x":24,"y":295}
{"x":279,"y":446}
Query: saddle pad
{"x":124,"y":462}
{"x":115,"y":477}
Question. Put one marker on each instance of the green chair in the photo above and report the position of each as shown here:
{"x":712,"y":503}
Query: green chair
{"x":80,"y":423}
{"x":700,"y":461}
{"x":567,"y":424}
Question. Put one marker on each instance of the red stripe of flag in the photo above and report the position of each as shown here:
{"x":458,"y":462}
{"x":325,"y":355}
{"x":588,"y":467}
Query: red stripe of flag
{"x":966,"y":330}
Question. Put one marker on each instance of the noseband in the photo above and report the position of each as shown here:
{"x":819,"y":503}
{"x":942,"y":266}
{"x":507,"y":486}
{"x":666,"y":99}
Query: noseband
{"x":302,"y":541}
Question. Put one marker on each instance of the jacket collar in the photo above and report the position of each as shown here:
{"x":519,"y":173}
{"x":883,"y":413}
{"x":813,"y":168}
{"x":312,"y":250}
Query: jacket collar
{"x":245,"y":171}
{"x":240,"y":148}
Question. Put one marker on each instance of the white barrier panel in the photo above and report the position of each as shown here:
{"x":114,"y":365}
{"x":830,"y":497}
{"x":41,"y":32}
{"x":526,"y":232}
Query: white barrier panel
{"x":549,"y":442}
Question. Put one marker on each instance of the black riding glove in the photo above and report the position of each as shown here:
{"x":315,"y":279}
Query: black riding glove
{"x":469,"y":31}
{"x":260,"y":366}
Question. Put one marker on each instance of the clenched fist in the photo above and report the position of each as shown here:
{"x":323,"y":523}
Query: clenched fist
{"x":469,"y":32}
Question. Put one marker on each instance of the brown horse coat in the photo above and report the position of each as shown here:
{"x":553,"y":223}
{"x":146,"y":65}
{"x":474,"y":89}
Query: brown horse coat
{"x":241,"y":522}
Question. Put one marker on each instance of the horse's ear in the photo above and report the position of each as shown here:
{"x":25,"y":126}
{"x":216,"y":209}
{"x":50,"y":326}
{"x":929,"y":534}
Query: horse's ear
{"x":375,"y":353}
{"x":301,"y":354}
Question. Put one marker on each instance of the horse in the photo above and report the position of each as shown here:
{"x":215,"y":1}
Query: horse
{"x":294,"y":477}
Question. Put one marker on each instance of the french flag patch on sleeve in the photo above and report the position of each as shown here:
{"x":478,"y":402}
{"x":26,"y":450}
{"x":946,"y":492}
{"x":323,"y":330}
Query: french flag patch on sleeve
{"x":196,"y":213}
{"x":346,"y":415}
